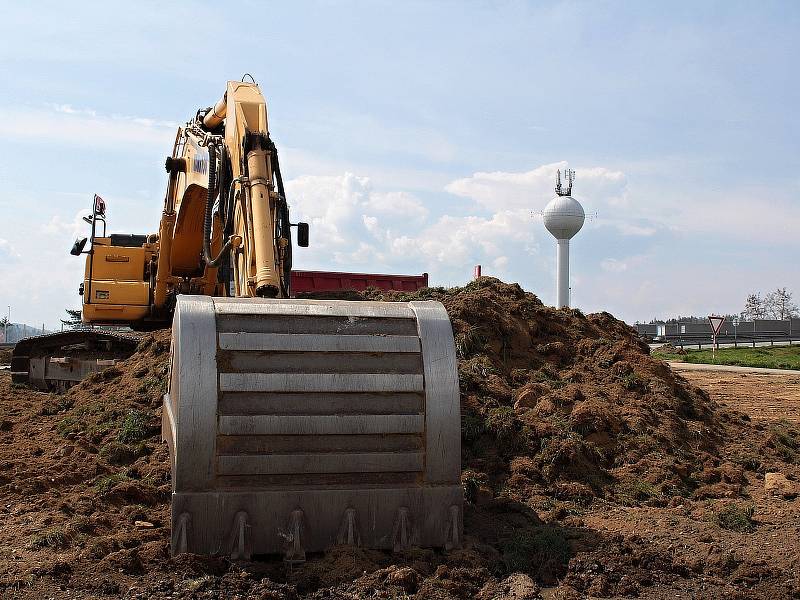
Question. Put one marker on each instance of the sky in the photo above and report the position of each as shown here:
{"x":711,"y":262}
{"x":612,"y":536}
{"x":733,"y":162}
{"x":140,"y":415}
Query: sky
{"x":425,"y":137}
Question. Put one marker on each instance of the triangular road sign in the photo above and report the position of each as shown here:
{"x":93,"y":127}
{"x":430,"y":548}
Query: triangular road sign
{"x":716,"y":323}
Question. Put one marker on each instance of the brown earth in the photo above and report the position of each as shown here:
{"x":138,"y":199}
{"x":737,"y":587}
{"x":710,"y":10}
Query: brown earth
{"x":770,"y":397}
{"x":590,"y":469}
{"x":5,"y":356}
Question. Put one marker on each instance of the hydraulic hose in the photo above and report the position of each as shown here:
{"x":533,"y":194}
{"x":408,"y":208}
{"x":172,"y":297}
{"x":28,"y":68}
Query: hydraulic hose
{"x":212,"y":192}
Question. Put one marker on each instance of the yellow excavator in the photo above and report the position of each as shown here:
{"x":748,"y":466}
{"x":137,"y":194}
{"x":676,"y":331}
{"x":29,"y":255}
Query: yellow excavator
{"x":293,"y":425}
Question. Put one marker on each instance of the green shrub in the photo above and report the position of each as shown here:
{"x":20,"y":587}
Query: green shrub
{"x":735,"y":517}
{"x":106,"y":483}
{"x":134,"y":427}
{"x":54,"y":537}
{"x":534,"y":550}
{"x":472,"y":427}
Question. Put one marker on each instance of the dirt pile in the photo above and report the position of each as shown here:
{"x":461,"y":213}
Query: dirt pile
{"x":560,"y":404}
{"x":563,"y":416}
{"x":5,"y":356}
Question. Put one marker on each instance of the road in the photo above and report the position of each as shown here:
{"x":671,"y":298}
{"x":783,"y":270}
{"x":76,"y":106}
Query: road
{"x":682,"y":366}
{"x":741,"y":344}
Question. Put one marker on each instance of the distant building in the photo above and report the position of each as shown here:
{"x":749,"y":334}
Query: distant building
{"x":691,"y":332}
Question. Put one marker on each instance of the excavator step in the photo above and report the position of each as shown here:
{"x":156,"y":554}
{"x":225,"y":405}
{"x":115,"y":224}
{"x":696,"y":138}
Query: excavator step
{"x":296,"y":425}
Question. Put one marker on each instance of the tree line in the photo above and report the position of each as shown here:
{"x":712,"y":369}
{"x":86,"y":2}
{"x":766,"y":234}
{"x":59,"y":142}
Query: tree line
{"x":778,"y":304}
{"x":773,"y":305}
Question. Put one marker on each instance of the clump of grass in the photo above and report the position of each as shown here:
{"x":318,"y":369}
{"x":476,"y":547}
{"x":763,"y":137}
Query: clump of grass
{"x":473,"y":372}
{"x":471,"y":341}
{"x":472,"y":428}
{"x":783,"y":437}
{"x":134,"y":427}
{"x":502,"y":422}
{"x":53,"y":537}
{"x":151,"y":383}
{"x":550,"y":377}
{"x":632,"y":382}
{"x":634,"y":491}
{"x":121,"y":454}
{"x":106,"y":483}
{"x":472,"y":481}
{"x":734,"y":517}
{"x":533,"y":550}
{"x":55,"y":405}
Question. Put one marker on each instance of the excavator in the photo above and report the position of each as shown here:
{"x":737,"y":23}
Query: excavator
{"x":293,"y":425}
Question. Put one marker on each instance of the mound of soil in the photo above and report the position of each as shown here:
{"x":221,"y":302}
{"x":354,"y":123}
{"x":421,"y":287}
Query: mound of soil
{"x":563,"y":416}
{"x":5,"y":356}
{"x":563,"y":404}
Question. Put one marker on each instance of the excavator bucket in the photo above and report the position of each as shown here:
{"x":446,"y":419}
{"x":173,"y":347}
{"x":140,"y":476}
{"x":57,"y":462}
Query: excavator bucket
{"x":296,"y":425}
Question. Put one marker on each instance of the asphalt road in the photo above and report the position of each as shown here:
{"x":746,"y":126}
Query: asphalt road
{"x":740,"y":345}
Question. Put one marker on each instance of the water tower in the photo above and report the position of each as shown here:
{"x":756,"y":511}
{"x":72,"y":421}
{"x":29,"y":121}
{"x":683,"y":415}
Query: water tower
{"x":563,"y":217}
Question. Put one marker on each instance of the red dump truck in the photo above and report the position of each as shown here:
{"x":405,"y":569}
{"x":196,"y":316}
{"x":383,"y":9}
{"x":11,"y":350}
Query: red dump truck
{"x":328,"y":281}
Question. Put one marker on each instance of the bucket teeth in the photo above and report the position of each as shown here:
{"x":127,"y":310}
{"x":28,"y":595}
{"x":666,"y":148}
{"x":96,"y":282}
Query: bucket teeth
{"x":401,"y":533}
{"x":294,"y":552}
{"x":240,"y":540}
{"x":180,"y":534}
{"x":453,"y":535}
{"x":348,"y":531}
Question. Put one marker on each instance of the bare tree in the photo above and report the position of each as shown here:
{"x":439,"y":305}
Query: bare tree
{"x":779,"y":304}
{"x":755,"y":307}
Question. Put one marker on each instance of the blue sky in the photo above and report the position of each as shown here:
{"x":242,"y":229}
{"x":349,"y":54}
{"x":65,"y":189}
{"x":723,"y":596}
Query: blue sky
{"x":424,"y":136}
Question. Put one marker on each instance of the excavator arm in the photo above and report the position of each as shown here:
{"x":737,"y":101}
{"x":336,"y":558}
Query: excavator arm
{"x":225,"y":206}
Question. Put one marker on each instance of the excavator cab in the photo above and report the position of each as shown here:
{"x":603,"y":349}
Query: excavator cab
{"x":116,"y":287}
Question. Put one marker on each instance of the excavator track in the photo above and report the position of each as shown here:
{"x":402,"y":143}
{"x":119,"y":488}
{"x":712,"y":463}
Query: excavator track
{"x":57,"y":361}
{"x":297,"y":425}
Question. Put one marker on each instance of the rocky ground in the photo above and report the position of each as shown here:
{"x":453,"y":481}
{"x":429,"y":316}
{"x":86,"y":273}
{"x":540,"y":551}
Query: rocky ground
{"x":590,"y":469}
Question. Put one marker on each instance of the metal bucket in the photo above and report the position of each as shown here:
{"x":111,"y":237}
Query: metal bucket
{"x":296,"y":425}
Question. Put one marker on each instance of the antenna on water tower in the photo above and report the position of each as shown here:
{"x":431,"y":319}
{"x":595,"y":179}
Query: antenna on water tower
{"x":563,"y":217}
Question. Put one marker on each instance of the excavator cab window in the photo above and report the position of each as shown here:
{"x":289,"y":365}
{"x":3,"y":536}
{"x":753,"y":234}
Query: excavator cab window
{"x":302,"y":235}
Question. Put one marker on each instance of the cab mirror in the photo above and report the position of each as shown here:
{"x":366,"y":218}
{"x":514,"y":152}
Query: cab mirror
{"x":78,"y":246}
{"x":302,"y":235}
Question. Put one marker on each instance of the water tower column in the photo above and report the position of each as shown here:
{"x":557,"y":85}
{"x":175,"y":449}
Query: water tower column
{"x":562,"y":281}
{"x":563,"y":217}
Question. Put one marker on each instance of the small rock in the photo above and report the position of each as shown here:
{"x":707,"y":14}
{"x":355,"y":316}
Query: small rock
{"x":518,"y":586}
{"x":404,"y":577}
{"x":143,"y":524}
{"x":66,"y":450}
{"x":778,"y":485}
{"x":528,"y":395}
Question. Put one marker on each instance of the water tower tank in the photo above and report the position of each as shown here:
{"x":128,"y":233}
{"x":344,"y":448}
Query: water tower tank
{"x":563,"y":217}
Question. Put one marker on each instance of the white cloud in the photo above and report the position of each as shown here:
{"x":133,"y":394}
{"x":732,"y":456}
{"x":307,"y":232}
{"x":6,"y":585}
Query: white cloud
{"x":356,"y":227}
{"x":613,"y":265}
{"x":533,"y":189}
{"x":633,"y":229}
{"x":58,"y":225}
{"x":61,"y":123}
{"x":7,"y":251}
